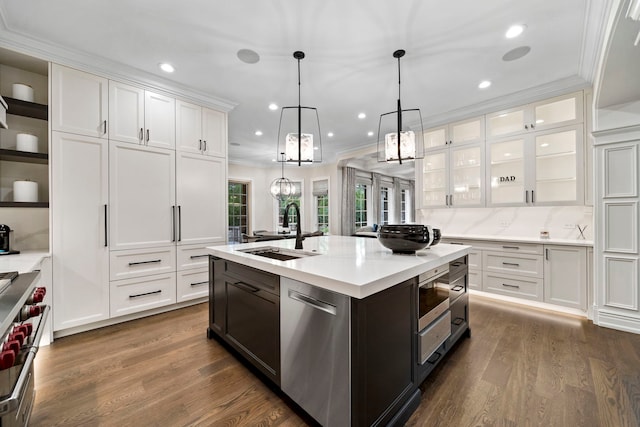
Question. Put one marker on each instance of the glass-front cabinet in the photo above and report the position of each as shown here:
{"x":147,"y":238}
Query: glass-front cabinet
{"x":468,"y":131}
{"x":548,"y":114}
{"x":541,"y":168}
{"x":453,"y":177}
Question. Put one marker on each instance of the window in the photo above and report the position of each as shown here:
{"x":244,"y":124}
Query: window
{"x":238,"y":212}
{"x":282,"y":204}
{"x":321,"y":200}
{"x":384,"y":205}
{"x":403,"y":206}
{"x":361,"y":205}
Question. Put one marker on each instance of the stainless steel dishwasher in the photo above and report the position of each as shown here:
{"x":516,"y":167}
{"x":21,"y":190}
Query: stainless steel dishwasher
{"x":315,"y":351}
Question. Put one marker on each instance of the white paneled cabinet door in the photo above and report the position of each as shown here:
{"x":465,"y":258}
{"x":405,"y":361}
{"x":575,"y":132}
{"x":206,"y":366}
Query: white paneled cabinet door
{"x":565,"y":276}
{"x":435,"y":179}
{"x":126,"y":113}
{"x":159,"y":120}
{"x":214,"y":132}
{"x":188,"y":127}
{"x":142,"y":194}
{"x":79,"y":169}
{"x":201,"y":199}
{"x":79,"y":102}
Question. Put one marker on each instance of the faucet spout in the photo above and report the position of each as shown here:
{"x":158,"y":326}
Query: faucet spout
{"x":285,"y":222}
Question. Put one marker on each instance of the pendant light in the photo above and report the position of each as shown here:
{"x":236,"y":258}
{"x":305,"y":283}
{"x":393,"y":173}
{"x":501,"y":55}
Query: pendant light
{"x":281,"y":188}
{"x":299,"y":134}
{"x":400,"y":132}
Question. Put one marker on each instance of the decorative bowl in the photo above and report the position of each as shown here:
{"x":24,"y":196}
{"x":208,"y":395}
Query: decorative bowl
{"x":405,"y":238}
{"x":436,"y":237}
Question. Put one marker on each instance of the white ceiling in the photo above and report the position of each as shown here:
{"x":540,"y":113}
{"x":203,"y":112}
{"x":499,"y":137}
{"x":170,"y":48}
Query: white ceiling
{"x":451,"y":46}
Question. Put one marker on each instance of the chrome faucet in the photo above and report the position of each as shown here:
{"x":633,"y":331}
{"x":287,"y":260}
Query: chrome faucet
{"x":285,"y":223}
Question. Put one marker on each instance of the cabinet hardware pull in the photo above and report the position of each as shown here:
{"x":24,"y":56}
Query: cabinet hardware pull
{"x":173,"y":222}
{"x":145,"y":262}
{"x":533,"y":199}
{"x":200,"y":145}
{"x":198,"y":256}
{"x":450,"y":199}
{"x":105,"y":127}
{"x":546,"y":254}
{"x":200,"y":283}
{"x":312,"y":302}
{"x":457,"y":288}
{"x":511,"y":263}
{"x":179,"y":224}
{"x":247,"y":287}
{"x":141,"y":135}
{"x":147,"y":136}
{"x":458,"y":321}
{"x":457,"y":264}
{"x":526,"y":127}
{"x":456,"y":243}
{"x":526,"y":196}
{"x":511,"y":286}
{"x":436,"y":359}
{"x":146,"y":293}
{"x":510,"y":247}
{"x":106,"y":232}
{"x":205,"y":145}
{"x":533,"y":126}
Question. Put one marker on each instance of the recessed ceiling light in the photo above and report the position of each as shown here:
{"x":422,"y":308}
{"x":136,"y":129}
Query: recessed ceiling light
{"x":539,"y":121}
{"x":273,"y":160}
{"x":369,"y":133}
{"x":544,"y":144}
{"x":484,"y":84}
{"x":514,"y":31}
{"x":507,"y":154}
{"x":362,"y":115}
{"x":167,"y":68}
{"x":330,"y":134}
{"x":273,"y":106}
{"x":258,"y":133}
{"x":316,"y":147}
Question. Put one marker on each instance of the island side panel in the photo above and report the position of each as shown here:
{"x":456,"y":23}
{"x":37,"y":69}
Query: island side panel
{"x":384,"y":352}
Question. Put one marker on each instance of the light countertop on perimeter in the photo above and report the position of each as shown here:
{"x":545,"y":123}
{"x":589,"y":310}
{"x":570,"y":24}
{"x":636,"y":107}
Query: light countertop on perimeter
{"x":349,"y":265}
{"x":520,"y":239}
{"x":23,"y":262}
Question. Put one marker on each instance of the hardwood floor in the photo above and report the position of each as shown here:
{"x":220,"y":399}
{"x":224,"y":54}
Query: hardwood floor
{"x":521,"y":367}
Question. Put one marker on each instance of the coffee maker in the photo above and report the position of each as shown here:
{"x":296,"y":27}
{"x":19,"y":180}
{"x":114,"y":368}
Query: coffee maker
{"x":6,"y":240}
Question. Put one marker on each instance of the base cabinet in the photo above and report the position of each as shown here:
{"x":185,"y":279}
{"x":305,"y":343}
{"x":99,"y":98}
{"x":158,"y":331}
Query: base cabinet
{"x":143,"y":293}
{"x":565,"y":276}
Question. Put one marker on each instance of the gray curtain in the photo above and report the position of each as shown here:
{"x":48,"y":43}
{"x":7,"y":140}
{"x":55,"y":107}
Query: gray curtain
{"x":375,"y":199}
{"x":348,"y":201}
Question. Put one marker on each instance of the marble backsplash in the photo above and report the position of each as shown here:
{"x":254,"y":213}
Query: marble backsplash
{"x":560,"y":221}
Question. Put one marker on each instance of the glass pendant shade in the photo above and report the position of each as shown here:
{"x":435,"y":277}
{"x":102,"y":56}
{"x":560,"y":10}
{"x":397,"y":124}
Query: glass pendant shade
{"x":282,"y":188}
{"x":403,"y":125}
{"x":299,"y":135}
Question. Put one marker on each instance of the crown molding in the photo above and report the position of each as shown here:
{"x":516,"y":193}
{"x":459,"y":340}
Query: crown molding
{"x":91,"y":63}
{"x":595,"y":27}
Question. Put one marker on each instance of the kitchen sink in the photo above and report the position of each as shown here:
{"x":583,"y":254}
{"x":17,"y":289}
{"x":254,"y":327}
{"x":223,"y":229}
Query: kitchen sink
{"x":277,"y":253}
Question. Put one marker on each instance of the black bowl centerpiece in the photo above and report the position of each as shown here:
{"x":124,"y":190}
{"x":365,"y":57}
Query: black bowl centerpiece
{"x":405,"y":238}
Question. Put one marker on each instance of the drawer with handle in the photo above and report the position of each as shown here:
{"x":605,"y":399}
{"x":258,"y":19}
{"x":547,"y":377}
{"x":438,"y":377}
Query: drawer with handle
{"x":192,"y":284}
{"x":139,"y":294}
{"x":192,"y":256}
{"x":141,"y":262}
{"x":521,"y":265}
{"x":522,"y":287}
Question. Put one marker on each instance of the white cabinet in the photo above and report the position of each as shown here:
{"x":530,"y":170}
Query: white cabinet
{"x":548,"y":114}
{"x":141,"y":116}
{"x":192,"y":284}
{"x":540,"y":168}
{"x":142,"y":195}
{"x":200,"y":130}
{"x":565,"y":276}
{"x":201,"y":195}
{"x":79,"y":170}
{"x":463,"y":132}
{"x":79,"y":102}
{"x":453,"y":177}
{"x":143,"y":293}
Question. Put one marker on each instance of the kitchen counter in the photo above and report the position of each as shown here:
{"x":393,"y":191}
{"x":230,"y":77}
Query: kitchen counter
{"x":348,"y":265}
{"x":520,"y":239}
{"x":23,"y":262}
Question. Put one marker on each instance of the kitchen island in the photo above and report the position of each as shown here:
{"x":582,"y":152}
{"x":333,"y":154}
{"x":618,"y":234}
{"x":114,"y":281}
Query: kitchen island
{"x":335,"y":325}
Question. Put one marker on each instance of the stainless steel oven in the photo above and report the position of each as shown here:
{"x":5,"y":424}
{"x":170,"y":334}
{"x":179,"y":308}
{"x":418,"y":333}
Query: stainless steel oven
{"x":434,"y":317}
{"x":22,"y":318}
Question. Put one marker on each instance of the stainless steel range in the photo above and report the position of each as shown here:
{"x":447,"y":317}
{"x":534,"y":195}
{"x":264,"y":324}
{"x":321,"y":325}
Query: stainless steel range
{"x":22,"y":318}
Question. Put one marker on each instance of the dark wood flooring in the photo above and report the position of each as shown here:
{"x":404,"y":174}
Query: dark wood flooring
{"x":521,"y":367}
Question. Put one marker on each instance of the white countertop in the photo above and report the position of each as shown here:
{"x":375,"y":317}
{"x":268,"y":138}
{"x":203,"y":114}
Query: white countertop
{"x":23,"y":262}
{"x":520,"y":239}
{"x":348,"y":265}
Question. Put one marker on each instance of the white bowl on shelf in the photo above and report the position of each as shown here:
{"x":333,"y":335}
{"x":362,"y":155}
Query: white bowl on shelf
{"x":27,"y":142}
{"x":23,"y":92}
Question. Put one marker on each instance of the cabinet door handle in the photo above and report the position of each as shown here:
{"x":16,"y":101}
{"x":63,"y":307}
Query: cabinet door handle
{"x":173,"y":223}
{"x":513,"y":264}
{"x":533,"y":199}
{"x":141,"y":135}
{"x":106,"y":231}
{"x":199,"y":145}
{"x":104,"y":123}
{"x":147,"y":136}
{"x":546,"y":254}
{"x":153,"y":261}
{"x":312,"y":302}
{"x":450,"y":199}
{"x":458,"y":321}
{"x":159,"y":291}
{"x":526,"y":127}
{"x":246,"y":287}
{"x":511,"y":286}
{"x":200,"y":283}
{"x":205,"y":145}
{"x":198,"y":256}
{"x":510,"y":247}
{"x":533,"y":126}
{"x":179,"y":223}
{"x":457,"y":288}
{"x":526,"y":196}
